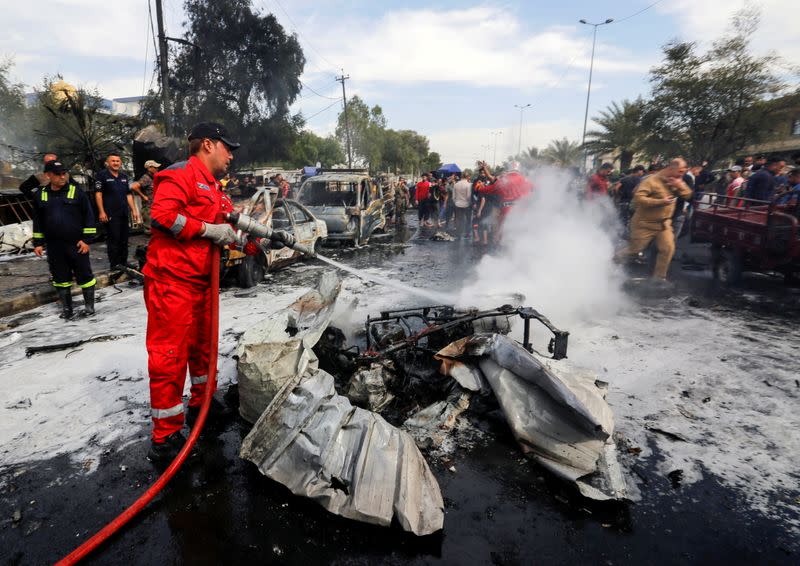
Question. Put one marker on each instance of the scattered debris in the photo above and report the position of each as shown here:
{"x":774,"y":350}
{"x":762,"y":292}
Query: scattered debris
{"x":348,"y":459}
{"x":557,"y":412}
{"x":452,"y":469}
{"x":17,"y":516}
{"x":442,"y":237}
{"x":367,"y":387}
{"x":671,"y":435}
{"x":431,"y":425}
{"x":276,"y":351}
{"x":21,"y":404}
{"x":31,"y":350}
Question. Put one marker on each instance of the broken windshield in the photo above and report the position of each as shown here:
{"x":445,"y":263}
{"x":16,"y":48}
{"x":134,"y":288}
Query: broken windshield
{"x":329,"y":193}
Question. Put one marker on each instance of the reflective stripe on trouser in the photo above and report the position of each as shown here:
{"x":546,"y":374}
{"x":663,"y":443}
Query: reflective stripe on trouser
{"x":642,"y":233}
{"x":177,"y":338}
{"x":65,"y":262}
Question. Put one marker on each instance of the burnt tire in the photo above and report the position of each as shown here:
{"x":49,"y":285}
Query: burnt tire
{"x":252,"y":271}
{"x":727,"y":267}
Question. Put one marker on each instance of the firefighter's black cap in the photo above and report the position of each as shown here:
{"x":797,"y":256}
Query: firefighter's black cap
{"x":55,"y":167}
{"x":212,"y":131}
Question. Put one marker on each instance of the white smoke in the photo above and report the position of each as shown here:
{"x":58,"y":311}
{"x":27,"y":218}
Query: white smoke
{"x":557,"y":251}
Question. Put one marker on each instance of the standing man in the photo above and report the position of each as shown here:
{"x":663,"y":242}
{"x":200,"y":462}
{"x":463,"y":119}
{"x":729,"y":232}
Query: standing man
{"x":63,"y":223}
{"x":761,"y":184}
{"x":623,"y":193}
{"x":114,"y":197}
{"x":654,"y":199}
{"x":37,"y":180}
{"x":401,"y":202}
{"x":187,"y":211}
{"x":144,"y":189}
{"x":421,"y":197}
{"x":462,"y":202}
{"x":598,"y":183}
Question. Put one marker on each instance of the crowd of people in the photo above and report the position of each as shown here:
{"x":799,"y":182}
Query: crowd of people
{"x":471,"y":206}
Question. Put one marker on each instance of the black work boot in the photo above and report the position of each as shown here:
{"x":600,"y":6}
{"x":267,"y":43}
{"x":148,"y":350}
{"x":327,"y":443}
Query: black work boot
{"x":165,"y":452}
{"x":217,"y":415}
{"x":88,"y":301}
{"x":65,"y":296}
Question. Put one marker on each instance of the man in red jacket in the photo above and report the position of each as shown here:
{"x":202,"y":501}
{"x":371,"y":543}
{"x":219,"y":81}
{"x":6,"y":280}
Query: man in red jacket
{"x":187,"y":209}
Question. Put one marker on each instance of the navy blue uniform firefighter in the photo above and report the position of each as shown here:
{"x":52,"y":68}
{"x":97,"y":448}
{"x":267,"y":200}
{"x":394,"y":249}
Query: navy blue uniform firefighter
{"x":64,"y":224}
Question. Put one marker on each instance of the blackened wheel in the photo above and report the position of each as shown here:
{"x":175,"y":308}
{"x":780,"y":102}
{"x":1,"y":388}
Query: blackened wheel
{"x":252,"y":270}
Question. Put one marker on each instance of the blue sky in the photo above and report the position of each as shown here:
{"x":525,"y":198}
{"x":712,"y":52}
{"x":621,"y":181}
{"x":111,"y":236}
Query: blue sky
{"x":450,"y":70}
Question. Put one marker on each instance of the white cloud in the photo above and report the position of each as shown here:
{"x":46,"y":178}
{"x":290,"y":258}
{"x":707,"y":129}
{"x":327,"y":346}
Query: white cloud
{"x":483,"y":46}
{"x":707,"y":20}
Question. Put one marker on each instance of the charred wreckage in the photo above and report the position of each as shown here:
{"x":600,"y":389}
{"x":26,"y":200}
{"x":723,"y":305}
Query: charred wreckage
{"x":345,"y":426}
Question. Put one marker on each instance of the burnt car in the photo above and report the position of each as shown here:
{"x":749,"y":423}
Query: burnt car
{"x":281,"y":214}
{"x":351,"y":204}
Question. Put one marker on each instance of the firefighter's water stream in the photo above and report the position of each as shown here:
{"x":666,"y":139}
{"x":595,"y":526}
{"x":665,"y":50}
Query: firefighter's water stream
{"x":436,"y":298}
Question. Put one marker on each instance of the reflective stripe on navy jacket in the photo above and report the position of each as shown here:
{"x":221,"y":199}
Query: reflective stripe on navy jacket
{"x":64,"y":215}
{"x":185,"y":196}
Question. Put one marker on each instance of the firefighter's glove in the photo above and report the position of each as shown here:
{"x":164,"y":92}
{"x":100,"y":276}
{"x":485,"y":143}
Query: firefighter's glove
{"x":220,"y":234}
{"x":283,"y":237}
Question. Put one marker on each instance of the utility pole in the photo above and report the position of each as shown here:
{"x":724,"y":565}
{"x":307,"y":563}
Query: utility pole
{"x":519,"y":143}
{"x":589,"y":89}
{"x":494,"y":160}
{"x":341,"y":79}
{"x":162,"y":63}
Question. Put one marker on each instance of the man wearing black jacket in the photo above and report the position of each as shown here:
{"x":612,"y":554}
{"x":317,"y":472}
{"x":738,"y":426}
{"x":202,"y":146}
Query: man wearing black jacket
{"x":64,"y":224}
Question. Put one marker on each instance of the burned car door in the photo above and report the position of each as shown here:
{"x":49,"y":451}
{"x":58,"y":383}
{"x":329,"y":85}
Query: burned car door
{"x":304,"y":225}
{"x":373,"y":216}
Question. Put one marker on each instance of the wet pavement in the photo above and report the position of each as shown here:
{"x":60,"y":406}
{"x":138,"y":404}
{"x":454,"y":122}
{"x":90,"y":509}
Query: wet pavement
{"x":499,"y":507}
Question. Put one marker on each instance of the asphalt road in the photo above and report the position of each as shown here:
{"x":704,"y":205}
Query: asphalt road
{"x":500,"y":507}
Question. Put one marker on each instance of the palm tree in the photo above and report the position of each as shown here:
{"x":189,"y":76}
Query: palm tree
{"x":563,"y":152}
{"x":621,"y":132}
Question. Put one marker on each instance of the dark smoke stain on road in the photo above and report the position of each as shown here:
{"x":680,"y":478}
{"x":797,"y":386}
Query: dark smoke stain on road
{"x":500,"y":508}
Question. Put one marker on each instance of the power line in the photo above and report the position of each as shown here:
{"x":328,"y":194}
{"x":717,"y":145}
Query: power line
{"x":618,"y":20}
{"x":318,"y":94}
{"x":146,"y":51}
{"x":323,"y":110}
{"x":297,"y":31}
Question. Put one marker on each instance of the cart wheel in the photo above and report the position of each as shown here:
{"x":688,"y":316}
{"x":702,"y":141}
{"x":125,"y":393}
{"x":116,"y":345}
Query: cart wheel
{"x":727,"y":267}
{"x":251,"y":271}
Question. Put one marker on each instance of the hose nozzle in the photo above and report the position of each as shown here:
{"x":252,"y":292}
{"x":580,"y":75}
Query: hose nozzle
{"x":246,"y":224}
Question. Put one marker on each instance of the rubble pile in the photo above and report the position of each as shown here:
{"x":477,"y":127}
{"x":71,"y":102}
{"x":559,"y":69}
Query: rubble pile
{"x":320,"y":433}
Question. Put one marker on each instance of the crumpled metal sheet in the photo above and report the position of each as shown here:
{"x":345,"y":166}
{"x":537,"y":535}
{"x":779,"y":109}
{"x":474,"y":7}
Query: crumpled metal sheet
{"x":556,"y":411}
{"x":349,"y":460}
{"x":279,"y":349}
{"x":367,"y":387}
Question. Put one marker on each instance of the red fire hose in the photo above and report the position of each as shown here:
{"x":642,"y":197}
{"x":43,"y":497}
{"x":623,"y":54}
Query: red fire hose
{"x":79,"y":553}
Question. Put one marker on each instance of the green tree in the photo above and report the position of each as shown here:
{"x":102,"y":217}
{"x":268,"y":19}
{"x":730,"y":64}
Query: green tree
{"x":563,"y":152}
{"x":308,"y":148}
{"x":75,"y":124}
{"x":237,"y":66}
{"x":621,"y":132}
{"x":15,"y":139}
{"x":365,"y":127}
{"x":708,"y":106}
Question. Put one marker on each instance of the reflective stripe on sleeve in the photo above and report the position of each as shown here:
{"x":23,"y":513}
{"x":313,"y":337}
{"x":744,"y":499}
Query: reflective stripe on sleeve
{"x":71,"y":192}
{"x":44,"y":196}
{"x":90,"y":230}
{"x":199,"y":379}
{"x":178,"y":225}
{"x":164,"y":413}
{"x":38,"y":235}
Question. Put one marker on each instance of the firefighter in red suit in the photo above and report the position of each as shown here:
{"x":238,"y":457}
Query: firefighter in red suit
{"x":508,"y":189}
{"x":187,"y":209}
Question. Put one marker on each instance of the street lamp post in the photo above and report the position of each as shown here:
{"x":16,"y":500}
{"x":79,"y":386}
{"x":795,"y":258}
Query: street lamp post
{"x":519,"y":143}
{"x":589,"y":89}
{"x":494,"y":159}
